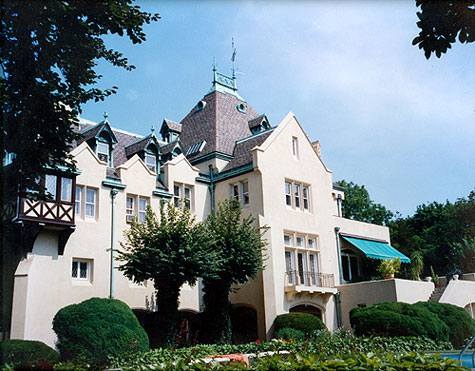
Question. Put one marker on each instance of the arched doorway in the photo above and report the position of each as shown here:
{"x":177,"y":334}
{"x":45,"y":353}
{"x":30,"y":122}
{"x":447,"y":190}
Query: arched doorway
{"x":244,"y":324}
{"x":187,"y":327}
{"x":307,"y":308}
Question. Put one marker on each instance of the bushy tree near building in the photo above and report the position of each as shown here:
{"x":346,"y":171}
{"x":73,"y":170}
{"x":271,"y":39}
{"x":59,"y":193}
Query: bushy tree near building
{"x":49,"y":52}
{"x":171,"y":250}
{"x":238,"y":246}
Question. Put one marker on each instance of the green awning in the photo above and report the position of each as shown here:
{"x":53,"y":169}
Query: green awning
{"x":376,"y":250}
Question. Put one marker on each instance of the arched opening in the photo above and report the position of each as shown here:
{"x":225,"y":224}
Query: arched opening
{"x":307,"y":308}
{"x":244,"y":324}
{"x":187,"y":327}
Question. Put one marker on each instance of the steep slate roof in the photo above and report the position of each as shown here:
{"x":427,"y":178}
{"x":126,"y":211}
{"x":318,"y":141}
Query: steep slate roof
{"x":171,"y":125}
{"x":167,"y":148}
{"x":256,"y":121}
{"x":140,"y":145}
{"x":219,"y":123}
{"x":242,"y":150}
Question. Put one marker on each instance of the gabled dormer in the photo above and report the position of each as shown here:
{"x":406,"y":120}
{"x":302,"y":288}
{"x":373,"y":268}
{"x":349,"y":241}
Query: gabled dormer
{"x":259,"y":124}
{"x":171,"y":150}
{"x":170,"y":131}
{"x":102,"y":140}
{"x":148,"y":149}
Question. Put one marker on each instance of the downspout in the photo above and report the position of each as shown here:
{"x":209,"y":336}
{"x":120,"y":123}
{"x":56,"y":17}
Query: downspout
{"x":211,"y":187}
{"x":113,"y":194}
{"x":338,"y":308}
{"x":337,"y":234}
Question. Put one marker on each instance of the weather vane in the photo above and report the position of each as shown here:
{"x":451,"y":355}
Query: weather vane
{"x":233,"y":58}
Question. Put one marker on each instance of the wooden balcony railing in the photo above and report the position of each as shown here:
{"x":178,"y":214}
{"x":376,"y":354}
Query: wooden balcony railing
{"x":305,"y":278}
{"x":48,"y":212}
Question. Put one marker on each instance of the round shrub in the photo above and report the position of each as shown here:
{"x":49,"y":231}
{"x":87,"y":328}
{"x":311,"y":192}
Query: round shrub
{"x":304,"y":322}
{"x":289,"y":334}
{"x":398,"y":319}
{"x":26,"y":351}
{"x":97,"y":329}
{"x":461,"y":325}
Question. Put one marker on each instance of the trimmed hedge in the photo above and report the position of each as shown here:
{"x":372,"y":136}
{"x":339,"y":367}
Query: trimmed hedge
{"x":304,"y":322}
{"x":399,"y":319}
{"x":461,"y":325}
{"x":290,"y":334}
{"x":26,"y":351}
{"x":97,"y":329}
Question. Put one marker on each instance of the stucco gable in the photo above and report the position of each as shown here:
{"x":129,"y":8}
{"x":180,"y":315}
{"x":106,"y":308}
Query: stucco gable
{"x":135,"y":160}
{"x":84,"y":148}
{"x":179,"y":159}
{"x":280,"y":128}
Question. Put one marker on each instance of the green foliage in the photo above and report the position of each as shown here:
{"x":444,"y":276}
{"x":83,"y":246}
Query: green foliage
{"x":16,"y":351}
{"x":417,"y":265}
{"x":461,"y":325}
{"x":238,"y":247}
{"x":290,"y":334}
{"x":359,"y":206}
{"x":96,"y":329}
{"x":50,"y":49}
{"x":389,"y":267}
{"x":441,"y":22}
{"x":171,"y":251}
{"x":439,"y":232}
{"x":304,"y":322}
{"x":398,"y":319}
{"x":435,"y":277}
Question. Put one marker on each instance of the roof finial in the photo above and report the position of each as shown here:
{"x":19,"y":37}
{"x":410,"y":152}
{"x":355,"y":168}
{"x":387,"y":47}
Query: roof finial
{"x":105,"y":116}
{"x":152,"y":129}
{"x":214,"y":63}
{"x":233,"y":59}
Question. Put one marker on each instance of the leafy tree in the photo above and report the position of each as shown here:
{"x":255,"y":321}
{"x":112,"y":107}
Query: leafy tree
{"x":239,"y":257}
{"x":465,"y":254}
{"x":49,"y":52}
{"x":170,"y":251}
{"x":359,"y":206}
{"x":441,"y":22}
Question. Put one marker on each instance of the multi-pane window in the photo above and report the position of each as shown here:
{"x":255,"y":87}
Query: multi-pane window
{"x":143,"y":202}
{"x":297,"y":195}
{"x":129,"y":208}
{"x":301,"y":259}
{"x":103,"y":151}
{"x":183,"y":195}
{"x":240,"y":192}
{"x":90,"y":204}
{"x":78,"y":200}
{"x":288,"y":193}
{"x":66,"y":189}
{"x":50,"y":185}
{"x":81,"y":270}
{"x":245,"y":193}
{"x":151,"y":162}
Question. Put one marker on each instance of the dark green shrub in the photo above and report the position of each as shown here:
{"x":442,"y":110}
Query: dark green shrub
{"x":289,"y":334}
{"x":26,"y":351}
{"x":97,"y":329}
{"x":398,"y":319}
{"x":461,"y":325}
{"x":298,"y":321}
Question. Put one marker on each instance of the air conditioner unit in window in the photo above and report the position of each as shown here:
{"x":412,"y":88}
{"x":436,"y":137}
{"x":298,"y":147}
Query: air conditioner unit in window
{"x":129,"y":218}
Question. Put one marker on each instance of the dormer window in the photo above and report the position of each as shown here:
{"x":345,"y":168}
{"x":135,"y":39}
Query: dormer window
{"x":241,"y":108}
{"x":102,"y":151}
{"x":151,"y":162}
{"x":201,"y":104}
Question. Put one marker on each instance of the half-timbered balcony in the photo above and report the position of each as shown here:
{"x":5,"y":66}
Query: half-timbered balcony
{"x":304,"y":282}
{"x":48,"y":212}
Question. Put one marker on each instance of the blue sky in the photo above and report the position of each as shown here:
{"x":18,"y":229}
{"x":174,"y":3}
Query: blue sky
{"x":386,"y":117}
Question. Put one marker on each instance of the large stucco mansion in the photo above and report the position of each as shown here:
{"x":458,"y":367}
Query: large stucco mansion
{"x":317,"y":261}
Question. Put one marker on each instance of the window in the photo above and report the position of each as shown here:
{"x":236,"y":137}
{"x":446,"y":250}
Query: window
{"x":312,"y":244}
{"x":288,"y":193}
{"x":103,"y":152}
{"x":129,"y":209}
{"x":245,"y":193}
{"x":50,"y":185}
{"x":81,"y":270}
{"x":295,"y":149}
{"x":349,"y":263}
{"x":301,"y":260}
{"x":66,"y":189}
{"x":297,"y":195}
{"x":305,"y":197}
{"x":90,"y":204}
{"x":143,"y":202}
{"x":234,"y":192}
{"x":183,"y":195}
{"x":288,"y":241}
{"x":78,"y":200}
{"x":300,"y":242}
{"x":151,"y":162}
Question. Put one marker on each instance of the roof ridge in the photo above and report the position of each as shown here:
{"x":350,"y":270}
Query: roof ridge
{"x":254,"y":135}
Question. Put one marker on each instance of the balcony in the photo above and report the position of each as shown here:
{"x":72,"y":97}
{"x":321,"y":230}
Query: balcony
{"x":312,"y":283}
{"x":48,"y":212}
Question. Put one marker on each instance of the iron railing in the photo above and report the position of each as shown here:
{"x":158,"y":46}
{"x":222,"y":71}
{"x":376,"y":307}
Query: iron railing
{"x":305,"y":278}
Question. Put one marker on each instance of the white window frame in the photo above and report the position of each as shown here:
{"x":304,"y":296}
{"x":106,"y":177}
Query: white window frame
{"x":88,"y":203}
{"x":177,"y":194}
{"x":187,"y":197}
{"x":295,"y":147}
{"x":142,"y":211}
{"x":78,"y":200}
{"x":80,"y":262}
{"x":104,"y":150}
{"x":305,"y":197}
{"x":129,"y":209}
{"x":298,"y":246}
{"x":180,"y":196}
{"x":297,"y":196}
{"x":234,"y":191}
{"x":150,"y":161}
{"x":245,"y":193}
{"x":288,"y":193}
